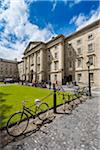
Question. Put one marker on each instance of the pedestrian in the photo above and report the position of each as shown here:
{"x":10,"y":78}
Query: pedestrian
{"x":49,"y":84}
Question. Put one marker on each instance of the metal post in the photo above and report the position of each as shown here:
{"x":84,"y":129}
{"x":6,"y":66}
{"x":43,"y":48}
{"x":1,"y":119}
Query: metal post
{"x":89,"y":81}
{"x":54,"y":97}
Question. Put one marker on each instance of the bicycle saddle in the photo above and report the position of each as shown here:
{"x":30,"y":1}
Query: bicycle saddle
{"x":37,"y":101}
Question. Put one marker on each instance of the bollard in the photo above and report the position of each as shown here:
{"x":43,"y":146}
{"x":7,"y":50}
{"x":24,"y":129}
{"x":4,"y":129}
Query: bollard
{"x":68,"y":97}
{"x":54,"y":97}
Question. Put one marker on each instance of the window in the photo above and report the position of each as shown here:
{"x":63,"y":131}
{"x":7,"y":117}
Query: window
{"x":49,"y":77}
{"x":56,"y":65}
{"x":91,"y":77}
{"x":78,"y":41}
{"x":55,"y":77}
{"x":70,"y":53}
{"x":90,"y":47}
{"x":38,"y":60}
{"x":79,"y":77}
{"x":91,"y":60}
{"x":48,"y":50}
{"x":49,"y":57}
{"x":90,"y":37}
{"x":55,"y":46}
{"x":70,"y":44}
{"x":79,"y":50}
{"x":56,"y":56}
{"x":70,"y":64}
{"x":79,"y":62}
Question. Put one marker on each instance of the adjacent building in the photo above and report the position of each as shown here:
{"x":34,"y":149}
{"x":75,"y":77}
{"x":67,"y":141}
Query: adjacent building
{"x":55,"y":59}
{"x":8,"y":69}
{"x":21,"y":70}
{"x":86,"y":44}
{"x":63,"y":59}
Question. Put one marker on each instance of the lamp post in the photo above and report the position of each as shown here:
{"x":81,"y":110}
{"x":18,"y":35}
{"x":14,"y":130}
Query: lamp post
{"x":89,"y":81}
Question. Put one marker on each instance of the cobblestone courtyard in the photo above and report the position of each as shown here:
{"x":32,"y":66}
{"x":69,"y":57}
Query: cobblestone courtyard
{"x":77,"y":131}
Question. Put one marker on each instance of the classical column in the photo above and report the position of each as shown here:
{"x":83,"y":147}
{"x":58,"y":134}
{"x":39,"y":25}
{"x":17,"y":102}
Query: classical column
{"x":35,"y":66}
{"x":41,"y":60}
{"x":29,"y":69}
{"x":25,"y":65}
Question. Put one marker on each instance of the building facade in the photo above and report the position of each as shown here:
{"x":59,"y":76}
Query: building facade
{"x":21,"y":70}
{"x":86,"y":44}
{"x":55,"y":59}
{"x":8,"y":69}
{"x":35,"y":62}
{"x":63,"y":59}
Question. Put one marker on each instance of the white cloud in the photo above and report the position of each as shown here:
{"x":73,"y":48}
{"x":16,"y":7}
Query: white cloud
{"x":81,"y":20}
{"x":54,"y":5}
{"x":14,"y":16}
{"x":74,"y":2}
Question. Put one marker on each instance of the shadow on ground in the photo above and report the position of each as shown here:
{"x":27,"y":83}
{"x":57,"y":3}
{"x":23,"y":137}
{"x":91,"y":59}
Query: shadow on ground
{"x":6,"y":139}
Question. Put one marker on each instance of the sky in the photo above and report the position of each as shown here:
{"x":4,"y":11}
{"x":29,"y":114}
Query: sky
{"x":22,"y":21}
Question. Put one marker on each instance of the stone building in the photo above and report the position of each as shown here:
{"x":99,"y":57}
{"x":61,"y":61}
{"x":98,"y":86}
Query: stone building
{"x":63,"y":59}
{"x":55,"y":59}
{"x":86,"y":44}
{"x":8,"y":69}
{"x":35,"y":62}
{"x":21,"y":70}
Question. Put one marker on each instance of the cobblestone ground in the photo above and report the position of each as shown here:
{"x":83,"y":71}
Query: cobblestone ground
{"x":77,"y":131}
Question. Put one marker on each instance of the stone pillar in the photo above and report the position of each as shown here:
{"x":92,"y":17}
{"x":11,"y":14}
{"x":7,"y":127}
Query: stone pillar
{"x":29,"y":68}
{"x":41,"y":64}
{"x":35,"y":66}
{"x":25,"y":65}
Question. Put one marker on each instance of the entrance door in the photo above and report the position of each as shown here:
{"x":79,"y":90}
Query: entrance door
{"x":70,"y":78}
{"x":31,"y":76}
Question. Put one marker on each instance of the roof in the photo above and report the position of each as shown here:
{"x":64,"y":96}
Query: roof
{"x":34,"y":42}
{"x":9,"y":61}
{"x":83,"y":29}
{"x":55,"y":38}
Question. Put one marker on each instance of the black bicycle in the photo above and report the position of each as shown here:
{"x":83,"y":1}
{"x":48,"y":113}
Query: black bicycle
{"x":18,"y":122}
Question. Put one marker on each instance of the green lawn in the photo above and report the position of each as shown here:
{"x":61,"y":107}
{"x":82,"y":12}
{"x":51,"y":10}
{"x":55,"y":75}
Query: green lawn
{"x":11,"y":98}
{"x":1,"y":82}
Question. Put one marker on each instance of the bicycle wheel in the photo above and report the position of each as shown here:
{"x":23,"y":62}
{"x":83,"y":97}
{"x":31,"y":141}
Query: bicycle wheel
{"x":43,"y":111}
{"x":17,"y":124}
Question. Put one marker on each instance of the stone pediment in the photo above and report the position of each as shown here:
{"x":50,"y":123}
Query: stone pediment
{"x":30,"y":46}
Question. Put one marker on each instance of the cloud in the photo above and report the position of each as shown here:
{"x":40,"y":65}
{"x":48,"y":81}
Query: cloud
{"x":71,"y":3}
{"x":74,"y":2}
{"x":81,"y":20}
{"x":16,"y":29}
{"x":54,"y":5}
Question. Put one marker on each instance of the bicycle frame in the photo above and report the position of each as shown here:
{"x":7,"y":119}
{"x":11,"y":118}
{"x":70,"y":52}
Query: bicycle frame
{"x":30,"y":111}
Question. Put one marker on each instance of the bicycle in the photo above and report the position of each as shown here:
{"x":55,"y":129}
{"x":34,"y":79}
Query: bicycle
{"x":18,"y":122}
{"x":67,"y":108}
{"x":81,"y":93}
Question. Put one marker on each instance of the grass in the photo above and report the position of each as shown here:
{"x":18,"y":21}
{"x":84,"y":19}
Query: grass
{"x":1,"y":82}
{"x":11,"y":98}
